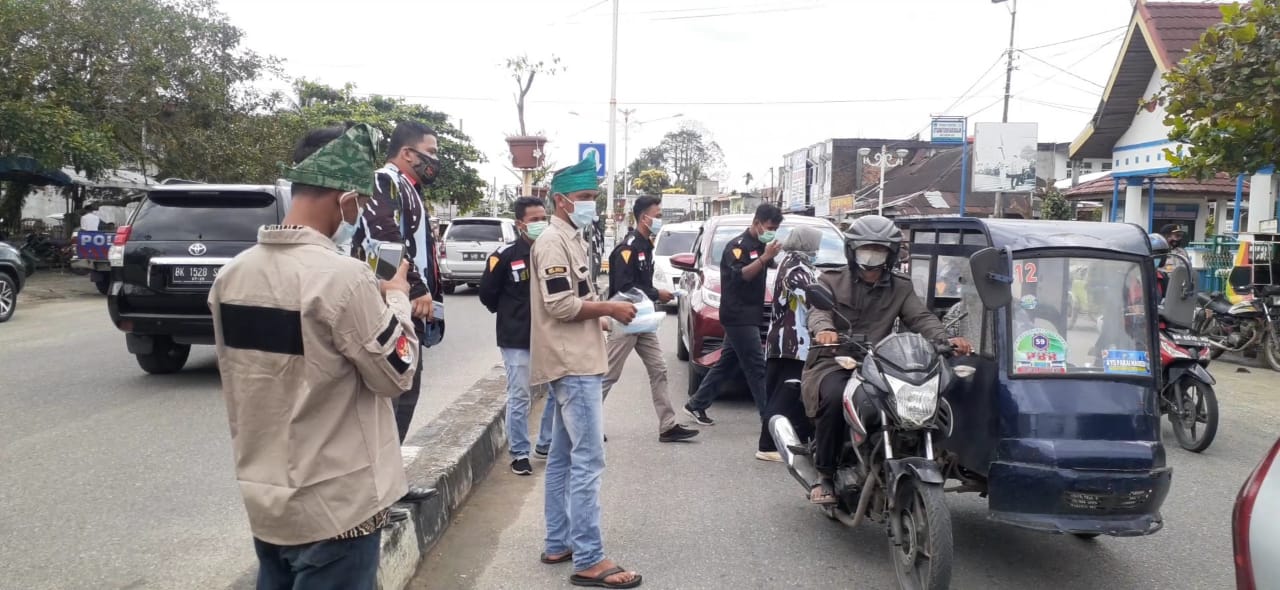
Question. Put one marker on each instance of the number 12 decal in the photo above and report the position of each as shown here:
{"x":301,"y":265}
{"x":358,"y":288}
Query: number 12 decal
{"x":1025,"y":272}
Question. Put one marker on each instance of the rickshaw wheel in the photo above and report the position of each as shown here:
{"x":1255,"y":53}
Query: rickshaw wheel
{"x":923,"y":561}
{"x":1194,"y":417}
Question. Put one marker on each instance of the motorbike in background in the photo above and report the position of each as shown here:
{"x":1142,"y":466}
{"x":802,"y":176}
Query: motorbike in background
{"x":1240,"y":327}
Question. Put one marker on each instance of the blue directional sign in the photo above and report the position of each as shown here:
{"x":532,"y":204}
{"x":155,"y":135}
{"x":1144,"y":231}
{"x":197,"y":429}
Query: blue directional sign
{"x":598,"y":149}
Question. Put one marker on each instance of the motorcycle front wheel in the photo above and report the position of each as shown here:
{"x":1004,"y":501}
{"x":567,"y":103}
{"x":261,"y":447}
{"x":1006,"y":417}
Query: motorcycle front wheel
{"x":923,"y":561}
{"x":1210,"y":329}
{"x":1194,"y":415}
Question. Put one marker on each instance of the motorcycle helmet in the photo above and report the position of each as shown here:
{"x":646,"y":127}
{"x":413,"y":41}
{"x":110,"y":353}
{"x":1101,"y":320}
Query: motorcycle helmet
{"x":872,"y":230}
{"x":1159,"y":249}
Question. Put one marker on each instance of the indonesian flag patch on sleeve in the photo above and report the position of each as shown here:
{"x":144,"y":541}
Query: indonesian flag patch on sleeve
{"x":404,"y":350}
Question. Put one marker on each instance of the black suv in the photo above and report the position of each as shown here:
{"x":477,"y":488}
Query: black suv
{"x":164,"y":262}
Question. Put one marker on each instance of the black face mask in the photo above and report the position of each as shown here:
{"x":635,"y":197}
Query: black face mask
{"x":1174,"y":242}
{"x":427,"y":168}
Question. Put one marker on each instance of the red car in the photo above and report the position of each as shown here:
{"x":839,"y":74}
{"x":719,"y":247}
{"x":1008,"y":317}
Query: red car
{"x":700,"y":333}
{"x":1255,"y":526}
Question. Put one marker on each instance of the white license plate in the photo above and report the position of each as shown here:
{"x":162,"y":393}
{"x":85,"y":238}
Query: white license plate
{"x":470,"y":256}
{"x":193,"y":275}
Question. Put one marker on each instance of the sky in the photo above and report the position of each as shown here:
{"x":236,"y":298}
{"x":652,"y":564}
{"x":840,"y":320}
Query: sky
{"x":763,"y":77}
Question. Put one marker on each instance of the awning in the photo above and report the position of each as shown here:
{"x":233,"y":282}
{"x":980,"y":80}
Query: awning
{"x":26,"y":170}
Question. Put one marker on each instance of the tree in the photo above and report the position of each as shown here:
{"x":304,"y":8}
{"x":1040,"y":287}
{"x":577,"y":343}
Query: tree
{"x":651,"y":182}
{"x":321,"y":105}
{"x":690,"y":155}
{"x":523,"y":72}
{"x":1055,"y":206}
{"x":675,"y":190}
{"x":1220,"y":98}
{"x":747,"y":178}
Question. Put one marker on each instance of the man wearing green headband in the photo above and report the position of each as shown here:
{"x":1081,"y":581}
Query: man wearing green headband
{"x":568,"y":352}
{"x":312,"y":348}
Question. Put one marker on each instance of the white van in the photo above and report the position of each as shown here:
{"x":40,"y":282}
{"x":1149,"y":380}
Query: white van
{"x":467,"y":243}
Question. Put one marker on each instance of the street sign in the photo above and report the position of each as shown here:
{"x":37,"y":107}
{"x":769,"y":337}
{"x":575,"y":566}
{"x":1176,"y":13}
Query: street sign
{"x":1267,"y":226}
{"x":602,"y":165}
{"x":949,"y":130}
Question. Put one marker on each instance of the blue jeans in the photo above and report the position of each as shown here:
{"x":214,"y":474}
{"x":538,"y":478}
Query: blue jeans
{"x":349,"y":564}
{"x":519,"y":398}
{"x":741,"y":353}
{"x":574,"y":470}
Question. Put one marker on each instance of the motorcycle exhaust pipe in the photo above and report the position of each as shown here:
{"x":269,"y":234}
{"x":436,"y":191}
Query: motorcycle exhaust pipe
{"x":784,"y":437}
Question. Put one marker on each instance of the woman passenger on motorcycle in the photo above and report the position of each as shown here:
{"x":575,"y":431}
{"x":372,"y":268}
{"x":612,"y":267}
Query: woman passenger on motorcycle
{"x":788,"y":341}
{"x":872,"y":298}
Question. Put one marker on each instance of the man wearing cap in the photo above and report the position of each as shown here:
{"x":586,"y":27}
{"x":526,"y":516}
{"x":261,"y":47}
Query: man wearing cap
{"x":1174,"y":234}
{"x":568,"y":353}
{"x":312,"y":349}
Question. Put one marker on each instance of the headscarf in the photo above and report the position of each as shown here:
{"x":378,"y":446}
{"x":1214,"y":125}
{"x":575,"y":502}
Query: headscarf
{"x":803,"y":239}
{"x":578,"y":177}
{"x":346,"y":164}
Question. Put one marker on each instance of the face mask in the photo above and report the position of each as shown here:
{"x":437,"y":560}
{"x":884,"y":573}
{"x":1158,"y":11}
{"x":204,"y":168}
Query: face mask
{"x":535,"y":229}
{"x":583,"y":214}
{"x":346,"y":229}
{"x":427,"y":168}
{"x":655,"y":226}
{"x":810,"y":257}
{"x":1174,"y":243}
{"x":868,"y":257}
{"x":767,"y":236}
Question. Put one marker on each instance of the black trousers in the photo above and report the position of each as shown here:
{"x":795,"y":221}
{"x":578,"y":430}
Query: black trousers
{"x":830,"y":430}
{"x":784,"y":401}
{"x":406,"y":402}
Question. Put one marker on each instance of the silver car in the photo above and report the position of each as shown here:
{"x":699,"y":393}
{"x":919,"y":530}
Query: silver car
{"x":1255,"y":526}
{"x":467,"y":243}
{"x":677,"y":238}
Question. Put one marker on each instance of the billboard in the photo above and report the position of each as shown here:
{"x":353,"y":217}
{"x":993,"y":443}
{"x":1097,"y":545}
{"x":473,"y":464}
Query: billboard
{"x":797,"y":180}
{"x":948,"y":130}
{"x":1004,"y":157}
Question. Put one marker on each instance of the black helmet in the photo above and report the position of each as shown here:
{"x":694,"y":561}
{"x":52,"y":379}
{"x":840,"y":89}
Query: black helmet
{"x":872,"y":230}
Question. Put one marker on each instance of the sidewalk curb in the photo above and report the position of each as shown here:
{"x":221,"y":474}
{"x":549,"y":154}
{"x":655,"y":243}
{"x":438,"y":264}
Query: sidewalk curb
{"x":461,"y":445}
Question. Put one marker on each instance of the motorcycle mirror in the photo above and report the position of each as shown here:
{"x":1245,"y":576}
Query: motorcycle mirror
{"x":993,"y":277}
{"x":819,"y":297}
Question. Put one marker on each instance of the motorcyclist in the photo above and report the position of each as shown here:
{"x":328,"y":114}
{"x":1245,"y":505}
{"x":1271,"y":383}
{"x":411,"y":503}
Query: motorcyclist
{"x":872,"y":298}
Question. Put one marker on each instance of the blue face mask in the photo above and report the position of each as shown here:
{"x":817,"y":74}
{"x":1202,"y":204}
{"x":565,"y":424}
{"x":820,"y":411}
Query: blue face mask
{"x":655,"y":226}
{"x":346,"y":229}
{"x":583,"y":214}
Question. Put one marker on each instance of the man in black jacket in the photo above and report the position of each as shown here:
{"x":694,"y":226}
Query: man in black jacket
{"x":504,"y":289}
{"x":743,"y":273}
{"x":631,"y":267}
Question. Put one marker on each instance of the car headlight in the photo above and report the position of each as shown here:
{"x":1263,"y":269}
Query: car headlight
{"x":915,"y":404}
{"x":711,"y":298}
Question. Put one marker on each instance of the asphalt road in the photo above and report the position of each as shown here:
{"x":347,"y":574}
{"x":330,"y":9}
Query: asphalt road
{"x":707,"y":515}
{"x":118,"y":479}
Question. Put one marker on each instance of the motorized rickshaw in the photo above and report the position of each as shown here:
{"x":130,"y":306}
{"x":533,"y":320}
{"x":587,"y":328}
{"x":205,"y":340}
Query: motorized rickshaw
{"x":1059,"y":424}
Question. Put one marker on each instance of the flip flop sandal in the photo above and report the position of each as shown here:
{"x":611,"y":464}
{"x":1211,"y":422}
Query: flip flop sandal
{"x":599,"y":581}
{"x":563,"y":558}
{"x":830,"y":498}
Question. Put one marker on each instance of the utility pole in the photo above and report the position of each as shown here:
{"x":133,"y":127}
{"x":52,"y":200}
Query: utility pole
{"x":626,"y":143}
{"x":613,"y":111}
{"x":998,"y":207}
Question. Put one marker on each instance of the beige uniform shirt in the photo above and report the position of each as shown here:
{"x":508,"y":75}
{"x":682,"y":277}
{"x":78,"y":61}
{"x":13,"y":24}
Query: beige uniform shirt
{"x":311,"y":357}
{"x":560,"y":346}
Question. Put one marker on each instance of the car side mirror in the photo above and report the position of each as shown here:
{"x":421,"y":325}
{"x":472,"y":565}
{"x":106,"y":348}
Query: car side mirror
{"x":684,"y":262}
{"x":819,"y":296}
{"x":992,"y":276}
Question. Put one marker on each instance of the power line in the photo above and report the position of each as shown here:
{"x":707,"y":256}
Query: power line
{"x":1061,"y":69}
{"x":739,"y":13}
{"x":1055,"y":44}
{"x":671,"y":102}
{"x":1054,"y":105}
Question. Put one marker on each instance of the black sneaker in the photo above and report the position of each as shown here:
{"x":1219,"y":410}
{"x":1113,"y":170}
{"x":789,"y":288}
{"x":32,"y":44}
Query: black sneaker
{"x":521,"y":467}
{"x":677,"y":433}
{"x":700,"y":416}
{"x":541,"y":453}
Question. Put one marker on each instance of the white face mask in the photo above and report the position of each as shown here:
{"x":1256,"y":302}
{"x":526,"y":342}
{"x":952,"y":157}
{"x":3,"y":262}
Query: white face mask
{"x":346,"y":229}
{"x":870,"y":256}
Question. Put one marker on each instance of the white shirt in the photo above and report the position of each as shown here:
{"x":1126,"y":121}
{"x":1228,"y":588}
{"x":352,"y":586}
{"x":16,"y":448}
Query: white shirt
{"x":90,"y":222}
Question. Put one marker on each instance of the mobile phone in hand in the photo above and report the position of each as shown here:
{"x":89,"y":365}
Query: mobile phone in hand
{"x":387,"y":260}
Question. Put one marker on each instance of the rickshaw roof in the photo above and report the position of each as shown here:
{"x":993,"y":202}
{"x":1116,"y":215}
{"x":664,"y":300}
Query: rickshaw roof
{"x":1027,"y":234}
